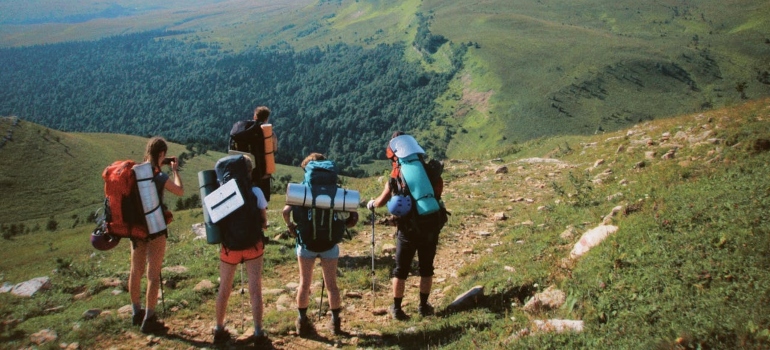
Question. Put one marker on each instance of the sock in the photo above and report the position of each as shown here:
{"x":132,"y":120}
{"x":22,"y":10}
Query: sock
{"x":136,"y":308}
{"x":150,"y":313}
{"x":302,"y":313}
{"x":397,"y":303}
{"x":219,"y":327}
{"x":424,"y":298}
{"x":336,"y":314}
{"x":258,"y":332}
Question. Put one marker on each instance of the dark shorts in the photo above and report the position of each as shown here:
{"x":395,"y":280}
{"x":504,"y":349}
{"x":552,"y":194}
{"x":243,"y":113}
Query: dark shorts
{"x":420,"y":238}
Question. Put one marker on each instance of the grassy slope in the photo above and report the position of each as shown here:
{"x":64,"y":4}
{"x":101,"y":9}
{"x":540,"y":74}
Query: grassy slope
{"x":694,"y":236}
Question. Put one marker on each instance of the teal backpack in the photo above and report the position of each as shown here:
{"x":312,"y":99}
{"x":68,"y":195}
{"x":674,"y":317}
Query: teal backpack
{"x":319,"y":229}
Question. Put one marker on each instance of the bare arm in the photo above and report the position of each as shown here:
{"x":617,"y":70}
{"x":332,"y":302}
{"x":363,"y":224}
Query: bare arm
{"x":176,"y":186}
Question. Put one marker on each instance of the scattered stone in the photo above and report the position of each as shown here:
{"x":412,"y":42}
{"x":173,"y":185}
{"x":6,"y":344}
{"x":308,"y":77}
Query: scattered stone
{"x":6,"y":287}
{"x":91,"y":314}
{"x":620,"y":149}
{"x":380,"y":311}
{"x":549,"y":299}
{"x":598,"y":162}
{"x":568,"y":233}
{"x":501,"y":170}
{"x":558,"y":326}
{"x":175,"y":269}
{"x":509,"y":268}
{"x":649,"y":154}
{"x":500,"y":216}
{"x":43,"y":336}
{"x":670,"y":154}
{"x":292,"y":286}
{"x":640,"y":165}
{"x":116,"y":292}
{"x":273,"y":291}
{"x":591,"y":238}
{"x":613,"y":197}
{"x":199,"y":230}
{"x":354,"y":295}
{"x":204,"y":285}
{"x":112,"y":282}
{"x":484,"y":233}
{"x":81,"y":296}
{"x":467,"y":299}
{"x":29,"y":288}
{"x":388,"y":249}
{"x":468,"y":251}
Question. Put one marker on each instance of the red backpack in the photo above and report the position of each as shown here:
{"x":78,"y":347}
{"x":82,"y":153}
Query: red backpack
{"x":124,"y":216}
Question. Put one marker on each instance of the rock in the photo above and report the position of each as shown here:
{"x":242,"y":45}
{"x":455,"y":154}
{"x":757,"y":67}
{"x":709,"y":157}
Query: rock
{"x":500,"y":216}
{"x":484,"y":234}
{"x":175,"y":269}
{"x":388,"y":249}
{"x":557,"y":326}
{"x":467,"y":299}
{"x":598,"y":162}
{"x":81,"y":296}
{"x":199,"y":230}
{"x":380,"y":311}
{"x":43,"y":336}
{"x":549,"y":299}
{"x":649,"y":154}
{"x":354,"y":295}
{"x":292,"y":286}
{"x":568,"y":233}
{"x":6,"y":287}
{"x":29,"y":288}
{"x":509,"y":268}
{"x":204,"y":285}
{"x":111,"y":282}
{"x":670,"y":154}
{"x":274,"y":291}
{"x":501,"y":170}
{"x":592,"y":238}
{"x":91,"y":314}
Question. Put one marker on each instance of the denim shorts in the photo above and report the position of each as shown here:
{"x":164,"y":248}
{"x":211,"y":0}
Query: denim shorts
{"x":333,"y":253}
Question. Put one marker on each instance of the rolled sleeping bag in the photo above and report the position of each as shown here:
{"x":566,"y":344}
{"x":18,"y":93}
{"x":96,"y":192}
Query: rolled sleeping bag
{"x":419,"y":184}
{"x":153,"y":213}
{"x":207,"y":180}
{"x":267,"y":131}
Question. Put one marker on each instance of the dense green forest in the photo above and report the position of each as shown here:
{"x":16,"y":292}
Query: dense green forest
{"x":341,"y":100}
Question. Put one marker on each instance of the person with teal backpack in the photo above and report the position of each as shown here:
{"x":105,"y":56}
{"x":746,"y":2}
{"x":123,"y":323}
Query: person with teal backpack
{"x":317,"y":215}
{"x":413,"y":195}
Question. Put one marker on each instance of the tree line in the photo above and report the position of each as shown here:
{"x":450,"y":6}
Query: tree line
{"x":341,"y":100}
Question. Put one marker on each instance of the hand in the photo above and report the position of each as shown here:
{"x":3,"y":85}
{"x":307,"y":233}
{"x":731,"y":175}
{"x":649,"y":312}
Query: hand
{"x":370,"y":205}
{"x":292,"y":229}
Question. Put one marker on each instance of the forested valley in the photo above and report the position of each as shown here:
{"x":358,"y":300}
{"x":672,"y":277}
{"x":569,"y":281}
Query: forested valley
{"x":341,"y":100}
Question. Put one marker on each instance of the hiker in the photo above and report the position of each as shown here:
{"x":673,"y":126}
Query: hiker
{"x":306,"y":258}
{"x":261,"y":116}
{"x":416,"y":233}
{"x":252,"y":256}
{"x":147,"y":254}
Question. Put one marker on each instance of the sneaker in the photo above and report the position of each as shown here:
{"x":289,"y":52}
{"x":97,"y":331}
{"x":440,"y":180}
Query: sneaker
{"x":425,"y":310}
{"x":221,"y":335}
{"x":397,"y":314}
{"x":137,"y":319}
{"x":304,"y":328}
{"x":152,"y":325}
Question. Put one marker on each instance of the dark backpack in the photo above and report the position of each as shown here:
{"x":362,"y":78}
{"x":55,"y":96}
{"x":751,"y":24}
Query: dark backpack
{"x":242,"y":228}
{"x":124,"y":215}
{"x":319,"y":229}
{"x":247,"y":136}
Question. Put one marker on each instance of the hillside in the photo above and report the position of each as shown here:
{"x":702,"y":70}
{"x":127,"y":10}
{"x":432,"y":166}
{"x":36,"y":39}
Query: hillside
{"x":686,"y":268}
{"x":532,"y":69}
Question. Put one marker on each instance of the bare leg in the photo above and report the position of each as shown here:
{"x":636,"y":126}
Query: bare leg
{"x":305,"y":277}
{"x":226,"y":276}
{"x":254,"y":269}
{"x":138,"y":267}
{"x":329,"y":267}
{"x":398,"y":287}
{"x":156,"y":250}
{"x":425,"y":284}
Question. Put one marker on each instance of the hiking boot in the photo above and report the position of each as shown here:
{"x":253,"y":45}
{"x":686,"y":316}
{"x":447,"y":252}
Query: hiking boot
{"x":397,"y":314}
{"x":137,"y":319}
{"x":152,"y":325}
{"x":304,"y":328}
{"x":221,"y":335}
{"x":335,"y":326}
{"x":258,"y":338}
{"x":425,"y":310}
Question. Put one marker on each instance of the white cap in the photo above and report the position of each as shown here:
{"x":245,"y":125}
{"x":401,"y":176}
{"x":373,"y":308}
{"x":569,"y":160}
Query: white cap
{"x":405,"y":145}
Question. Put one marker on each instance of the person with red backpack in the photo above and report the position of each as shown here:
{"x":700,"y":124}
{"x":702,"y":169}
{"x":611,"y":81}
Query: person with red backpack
{"x":147,"y":254}
{"x":413,"y":195}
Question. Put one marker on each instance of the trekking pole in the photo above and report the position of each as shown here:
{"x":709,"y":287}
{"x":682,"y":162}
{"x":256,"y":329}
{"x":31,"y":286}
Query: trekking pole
{"x":373,"y":274}
{"x":162,"y":294}
{"x":242,"y":299}
{"x":321,"y":302}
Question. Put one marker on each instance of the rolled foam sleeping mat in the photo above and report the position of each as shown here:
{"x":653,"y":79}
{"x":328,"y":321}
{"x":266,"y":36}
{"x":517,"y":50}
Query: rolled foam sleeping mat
{"x":153,"y":213}
{"x":207,"y":180}
{"x":267,"y":131}
{"x":419,"y":185}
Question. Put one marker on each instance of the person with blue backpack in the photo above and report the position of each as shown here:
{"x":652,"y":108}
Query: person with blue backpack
{"x":317,"y":231}
{"x":413,"y":195}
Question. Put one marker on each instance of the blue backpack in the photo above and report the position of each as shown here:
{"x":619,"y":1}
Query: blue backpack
{"x":242,"y":228}
{"x":319,"y":229}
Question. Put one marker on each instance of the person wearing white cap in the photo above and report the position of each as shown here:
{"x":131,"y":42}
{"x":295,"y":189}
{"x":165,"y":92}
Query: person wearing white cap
{"x":415,"y":235}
